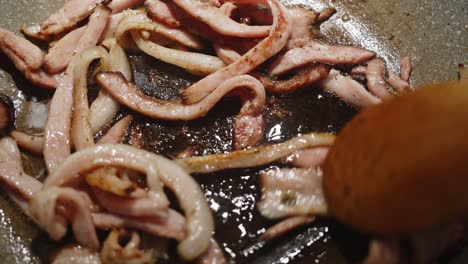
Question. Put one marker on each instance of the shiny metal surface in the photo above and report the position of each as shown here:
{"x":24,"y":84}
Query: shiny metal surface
{"x":434,"y":33}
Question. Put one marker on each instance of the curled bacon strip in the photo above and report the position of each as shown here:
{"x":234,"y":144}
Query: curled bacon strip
{"x":276,"y":40}
{"x":200,"y":224}
{"x":118,"y":6}
{"x":113,"y":252}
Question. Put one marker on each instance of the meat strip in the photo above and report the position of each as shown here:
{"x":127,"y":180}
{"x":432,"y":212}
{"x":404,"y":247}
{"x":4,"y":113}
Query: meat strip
{"x":27,"y":58}
{"x":306,"y":76}
{"x":61,"y":52}
{"x":291,"y":192}
{"x":219,"y":22}
{"x":254,"y":157}
{"x":308,"y":158}
{"x":57,"y":129}
{"x":348,"y":90}
{"x":325,"y":14}
{"x":376,"y":79}
{"x":316,"y":52}
{"x":199,"y":225}
{"x":118,"y":6}
{"x":161,"y":12}
{"x":117,"y":132}
{"x":405,"y":68}
{"x":286,"y":226}
{"x":33,"y":144}
{"x":72,"y":12}
{"x":279,"y":34}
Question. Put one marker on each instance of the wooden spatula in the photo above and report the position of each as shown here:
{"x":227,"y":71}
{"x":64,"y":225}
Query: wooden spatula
{"x":402,"y":166}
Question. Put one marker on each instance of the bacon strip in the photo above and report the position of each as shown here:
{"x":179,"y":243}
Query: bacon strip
{"x":304,"y":77}
{"x":23,"y":49}
{"x":276,"y":40}
{"x":214,"y":255}
{"x":81,"y":132}
{"x":308,"y":158}
{"x":254,"y":157}
{"x":117,"y":132}
{"x":170,"y":227}
{"x":60,"y":54}
{"x":129,"y":95}
{"x":348,"y":90}
{"x":286,"y":226}
{"x":200,"y":224}
{"x":27,"y":58}
{"x":139,"y":21}
{"x":72,"y":12}
{"x":104,"y":107}
{"x":34,"y":144}
{"x":405,"y":68}
{"x":303,"y":19}
{"x":57,"y":129}
{"x":316,"y":52}
{"x":291,"y":192}
{"x":161,"y":12}
{"x":76,"y":208}
{"x":376,"y":81}
{"x":219,"y":22}
{"x":194,"y":62}
{"x":118,"y":6}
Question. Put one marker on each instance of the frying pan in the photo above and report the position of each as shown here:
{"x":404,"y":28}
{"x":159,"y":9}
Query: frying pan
{"x":434,"y":33}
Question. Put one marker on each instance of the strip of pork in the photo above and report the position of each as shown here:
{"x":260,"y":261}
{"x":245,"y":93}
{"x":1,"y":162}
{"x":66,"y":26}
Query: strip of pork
{"x":57,"y":129}
{"x":306,"y":76}
{"x":348,"y":90}
{"x":172,"y":226}
{"x":254,"y":157}
{"x":214,"y":255}
{"x":286,"y":226}
{"x":61,"y":52}
{"x":81,"y":133}
{"x":376,"y":79}
{"x":118,"y":6}
{"x":268,"y":47}
{"x":104,"y":107}
{"x":64,"y":19}
{"x":219,"y":22}
{"x":291,"y":192}
{"x":199,"y":225}
{"x":198,"y":63}
{"x":27,"y":58}
{"x":317,"y":52}
{"x":161,"y":12}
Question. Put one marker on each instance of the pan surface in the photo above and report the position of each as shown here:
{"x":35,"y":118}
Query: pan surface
{"x":434,"y":33}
